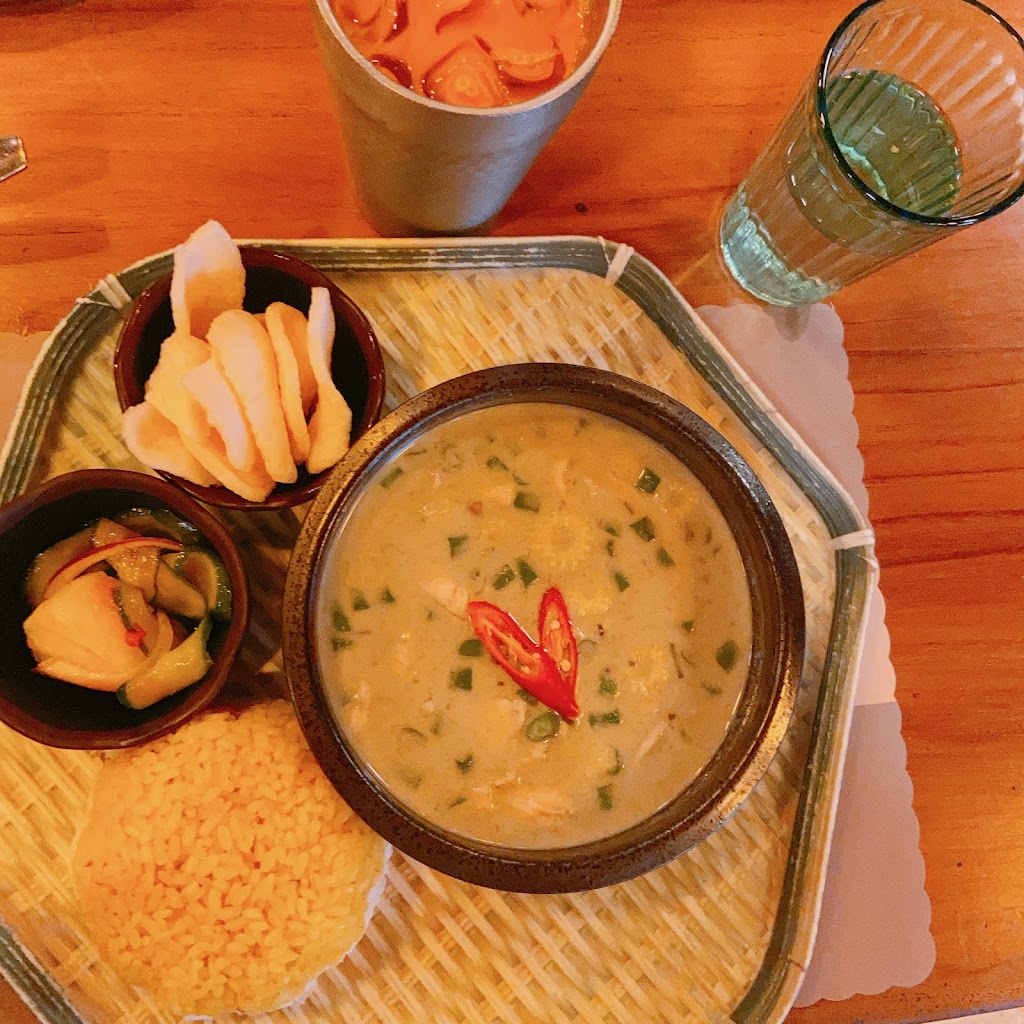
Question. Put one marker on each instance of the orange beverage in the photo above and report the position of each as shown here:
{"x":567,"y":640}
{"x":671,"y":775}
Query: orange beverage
{"x":469,"y":53}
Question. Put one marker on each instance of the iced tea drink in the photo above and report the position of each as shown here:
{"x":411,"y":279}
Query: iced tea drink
{"x":469,"y":53}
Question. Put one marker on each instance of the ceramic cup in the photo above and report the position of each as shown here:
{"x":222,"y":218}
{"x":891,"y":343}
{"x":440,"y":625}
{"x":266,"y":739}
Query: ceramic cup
{"x":426,"y":168}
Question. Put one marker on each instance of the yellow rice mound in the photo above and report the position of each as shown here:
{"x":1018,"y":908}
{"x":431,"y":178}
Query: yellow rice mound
{"x":220,"y":870}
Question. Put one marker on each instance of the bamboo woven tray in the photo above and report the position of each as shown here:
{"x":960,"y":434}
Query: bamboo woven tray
{"x":722,"y":933}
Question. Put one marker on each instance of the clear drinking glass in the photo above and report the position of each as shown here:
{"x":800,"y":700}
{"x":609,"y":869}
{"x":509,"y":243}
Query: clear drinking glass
{"x":911,"y":128}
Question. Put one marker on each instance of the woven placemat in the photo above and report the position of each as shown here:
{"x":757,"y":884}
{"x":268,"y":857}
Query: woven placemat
{"x":685,"y":943}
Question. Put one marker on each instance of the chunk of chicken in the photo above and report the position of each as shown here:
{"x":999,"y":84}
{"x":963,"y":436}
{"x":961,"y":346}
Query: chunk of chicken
{"x":501,"y":717}
{"x":449,"y":594}
{"x":558,"y":471}
{"x":543,"y":803}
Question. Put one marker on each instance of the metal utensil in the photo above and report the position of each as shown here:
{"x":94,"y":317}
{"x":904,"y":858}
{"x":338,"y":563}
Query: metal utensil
{"x":12,"y":156}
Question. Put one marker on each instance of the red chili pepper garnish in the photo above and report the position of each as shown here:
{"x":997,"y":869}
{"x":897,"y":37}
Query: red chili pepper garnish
{"x":527,"y":663}
{"x":134,"y":637}
{"x":557,"y":637}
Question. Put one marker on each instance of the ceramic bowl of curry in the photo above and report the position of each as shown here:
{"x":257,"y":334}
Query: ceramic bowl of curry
{"x":543,"y":628}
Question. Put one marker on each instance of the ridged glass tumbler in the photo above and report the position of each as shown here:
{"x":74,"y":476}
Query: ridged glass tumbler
{"x":911,"y":128}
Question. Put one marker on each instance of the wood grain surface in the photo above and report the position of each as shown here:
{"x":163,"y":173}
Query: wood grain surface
{"x":143,"y":118}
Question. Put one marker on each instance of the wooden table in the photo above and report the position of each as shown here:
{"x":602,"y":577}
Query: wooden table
{"x":143,"y":118}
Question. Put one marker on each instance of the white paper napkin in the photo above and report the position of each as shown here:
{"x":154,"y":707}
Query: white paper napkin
{"x":874,"y":931}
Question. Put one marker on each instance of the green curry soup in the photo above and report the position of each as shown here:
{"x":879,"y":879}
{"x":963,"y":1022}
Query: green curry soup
{"x":499,"y":505}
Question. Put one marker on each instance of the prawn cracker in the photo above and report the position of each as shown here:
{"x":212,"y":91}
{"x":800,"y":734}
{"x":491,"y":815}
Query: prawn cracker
{"x":206,"y":386}
{"x":168,"y":390}
{"x":246,"y":356}
{"x":208,"y":278}
{"x":156,"y":442}
{"x":284,"y":323}
{"x":330,"y":427}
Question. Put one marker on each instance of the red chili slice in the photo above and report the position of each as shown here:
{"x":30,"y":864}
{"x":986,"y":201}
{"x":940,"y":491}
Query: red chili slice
{"x":557,"y":637}
{"x":134,"y":637}
{"x":526,"y":663}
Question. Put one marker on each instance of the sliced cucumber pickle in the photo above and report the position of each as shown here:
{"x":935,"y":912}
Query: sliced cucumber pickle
{"x":161,"y":522}
{"x":174,"y":594}
{"x":184,"y":665}
{"x":202,"y":569}
{"x":137,"y":568}
{"x":136,"y":613}
{"x":48,"y":563}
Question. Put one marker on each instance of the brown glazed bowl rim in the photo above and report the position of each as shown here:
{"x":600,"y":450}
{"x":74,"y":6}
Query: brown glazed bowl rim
{"x":65,"y":488}
{"x":131,"y":391}
{"x":766,"y":703}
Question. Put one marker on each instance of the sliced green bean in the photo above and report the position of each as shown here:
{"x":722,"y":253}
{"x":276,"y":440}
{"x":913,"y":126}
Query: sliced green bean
{"x":543,"y":727}
{"x":505,"y":575}
{"x":643,"y":528}
{"x":648,"y":481}
{"x":526,"y":572}
{"x":527,"y":501}
{"x":726,"y":655}
{"x":462,"y":679}
{"x":339,"y":619}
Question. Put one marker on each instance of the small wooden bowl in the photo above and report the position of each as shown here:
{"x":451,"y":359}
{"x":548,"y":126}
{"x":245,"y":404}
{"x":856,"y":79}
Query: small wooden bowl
{"x":356,"y":363}
{"x":61,"y":714}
